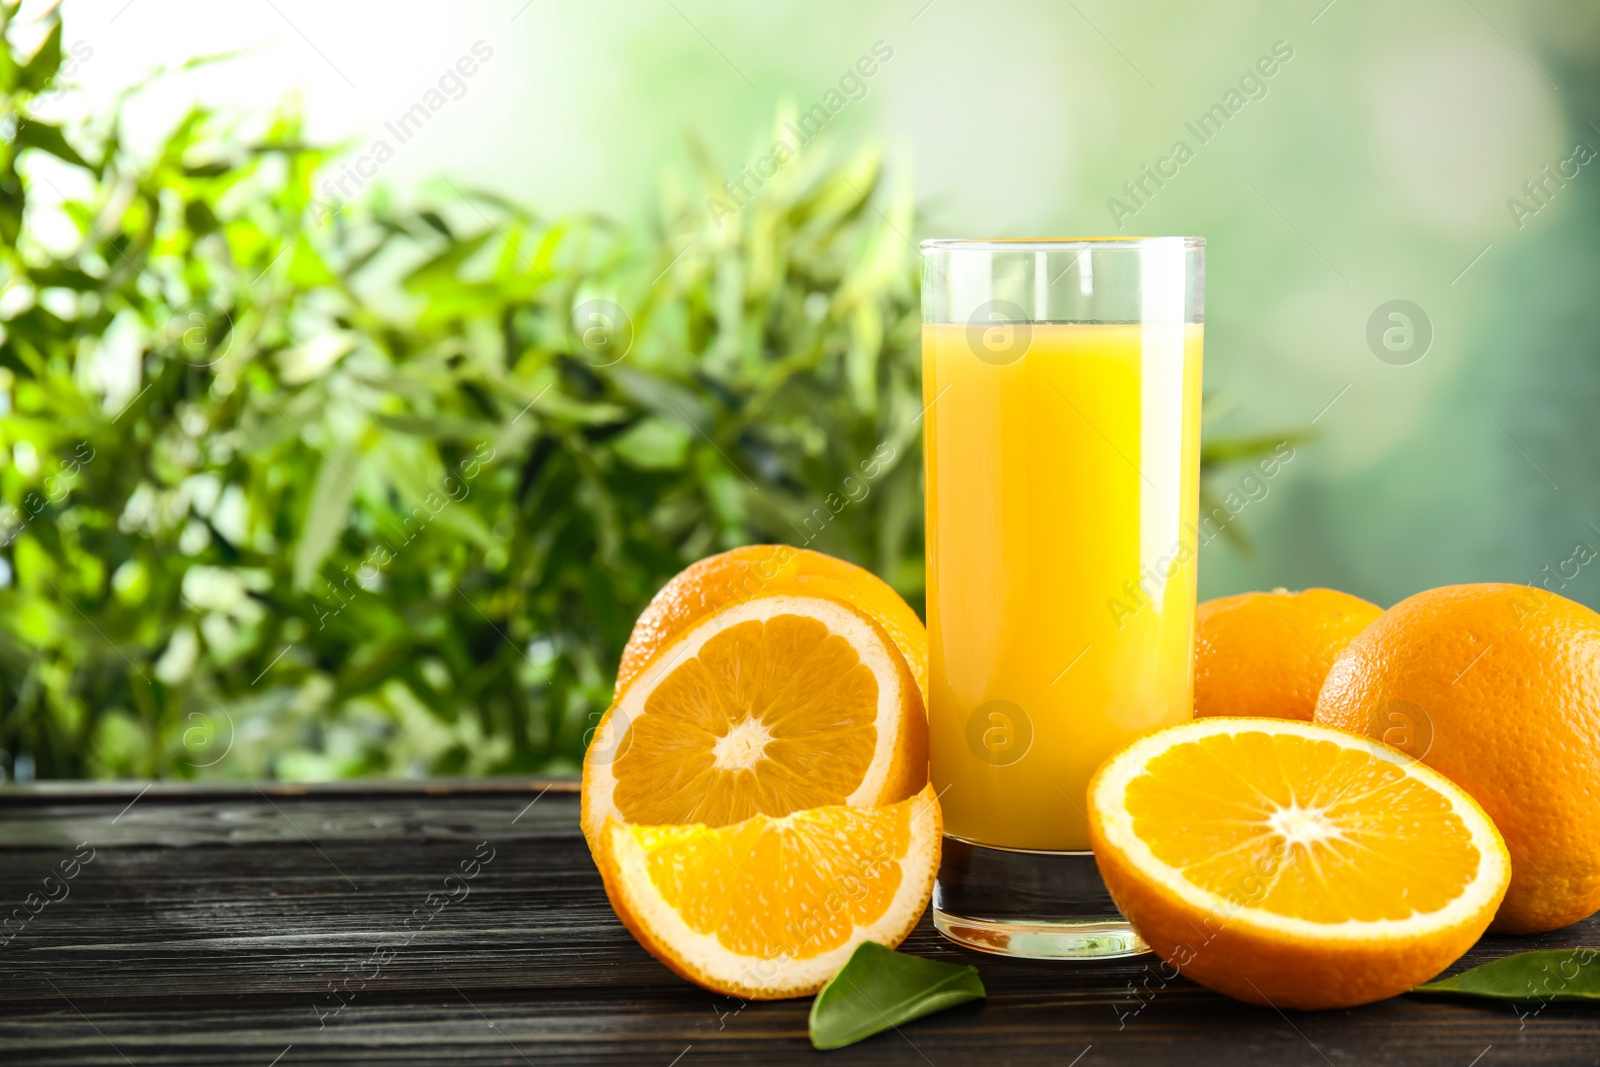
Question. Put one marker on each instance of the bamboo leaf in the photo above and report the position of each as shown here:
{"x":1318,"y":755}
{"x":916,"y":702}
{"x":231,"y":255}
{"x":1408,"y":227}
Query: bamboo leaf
{"x":38,"y":71}
{"x":520,"y":501}
{"x":326,"y":514}
{"x":1236,"y":449}
{"x":47,"y":138}
{"x":653,"y":445}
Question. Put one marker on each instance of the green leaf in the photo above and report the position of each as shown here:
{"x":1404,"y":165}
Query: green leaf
{"x":326,"y":515}
{"x":306,"y":267}
{"x":434,"y":219}
{"x":60,"y":276}
{"x":195,"y":62}
{"x":37,"y":72}
{"x":47,"y":138}
{"x":880,"y":988}
{"x":9,"y":69}
{"x":198,"y":216}
{"x":1568,"y":974}
{"x":442,"y":269}
{"x":439,"y":428}
{"x":1221,"y":450}
{"x":653,"y":445}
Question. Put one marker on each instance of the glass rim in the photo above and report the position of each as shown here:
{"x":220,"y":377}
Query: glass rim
{"x":1013,"y":244}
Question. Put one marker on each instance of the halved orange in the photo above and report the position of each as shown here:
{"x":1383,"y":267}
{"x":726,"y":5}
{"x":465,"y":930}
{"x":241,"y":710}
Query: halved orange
{"x":1293,"y":865}
{"x":773,"y":907}
{"x":764,"y":707}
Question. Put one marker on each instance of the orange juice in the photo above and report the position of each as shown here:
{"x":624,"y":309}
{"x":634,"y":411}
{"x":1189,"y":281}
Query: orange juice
{"x":1062,"y":495}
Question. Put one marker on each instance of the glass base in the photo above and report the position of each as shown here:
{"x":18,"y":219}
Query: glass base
{"x":1035,"y":905}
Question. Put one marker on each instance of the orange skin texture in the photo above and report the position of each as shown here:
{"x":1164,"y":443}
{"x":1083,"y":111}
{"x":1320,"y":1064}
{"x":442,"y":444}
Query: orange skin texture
{"x":1498,"y":688}
{"x":1265,"y":654}
{"x":742,"y":574}
{"x":1275,"y":970}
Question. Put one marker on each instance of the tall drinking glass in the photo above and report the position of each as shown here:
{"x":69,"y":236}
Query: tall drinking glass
{"x":1061,"y":380}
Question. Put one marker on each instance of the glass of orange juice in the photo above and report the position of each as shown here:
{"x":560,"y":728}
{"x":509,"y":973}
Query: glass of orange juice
{"x":1061,"y":380}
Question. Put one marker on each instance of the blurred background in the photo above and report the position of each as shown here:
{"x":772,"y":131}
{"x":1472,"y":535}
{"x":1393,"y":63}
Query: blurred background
{"x":362,"y":376}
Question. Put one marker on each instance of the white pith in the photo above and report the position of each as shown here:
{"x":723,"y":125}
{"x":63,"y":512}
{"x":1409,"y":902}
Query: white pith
{"x":874,"y":649}
{"x":1303,"y":826}
{"x":1299,"y":827}
{"x":742,"y":747}
{"x":720,"y":967}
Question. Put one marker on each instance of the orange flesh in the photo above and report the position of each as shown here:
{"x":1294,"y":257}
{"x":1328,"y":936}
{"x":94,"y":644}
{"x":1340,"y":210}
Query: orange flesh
{"x":1367,"y":843}
{"x":771,"y":717}
{"x":775,"y":888}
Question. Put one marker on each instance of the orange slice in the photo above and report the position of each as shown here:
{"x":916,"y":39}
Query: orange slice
{"x":773,"y":907}
{"x":1293,"y":865}
{"x":766,"y":707}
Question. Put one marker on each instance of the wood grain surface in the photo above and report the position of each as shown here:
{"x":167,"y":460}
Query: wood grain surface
{"x":270,"y":927}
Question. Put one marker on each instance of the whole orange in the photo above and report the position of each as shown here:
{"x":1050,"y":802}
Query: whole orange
{"x":740,"y":574}
{"x":1265,"y":654}
{"x":1497,"y":687}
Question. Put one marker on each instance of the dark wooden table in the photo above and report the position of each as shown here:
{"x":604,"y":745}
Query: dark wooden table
{"x":236,"y":926}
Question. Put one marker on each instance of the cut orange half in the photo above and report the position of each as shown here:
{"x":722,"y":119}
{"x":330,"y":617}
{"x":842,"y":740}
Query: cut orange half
{"x":773,"y":907}
{"x":741,"y":574}
{"x":766,"y":707}
{"x":1293,"y":865}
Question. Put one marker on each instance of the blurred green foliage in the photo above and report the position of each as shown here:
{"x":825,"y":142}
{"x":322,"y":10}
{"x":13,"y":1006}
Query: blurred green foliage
{"x":305,"y":489}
